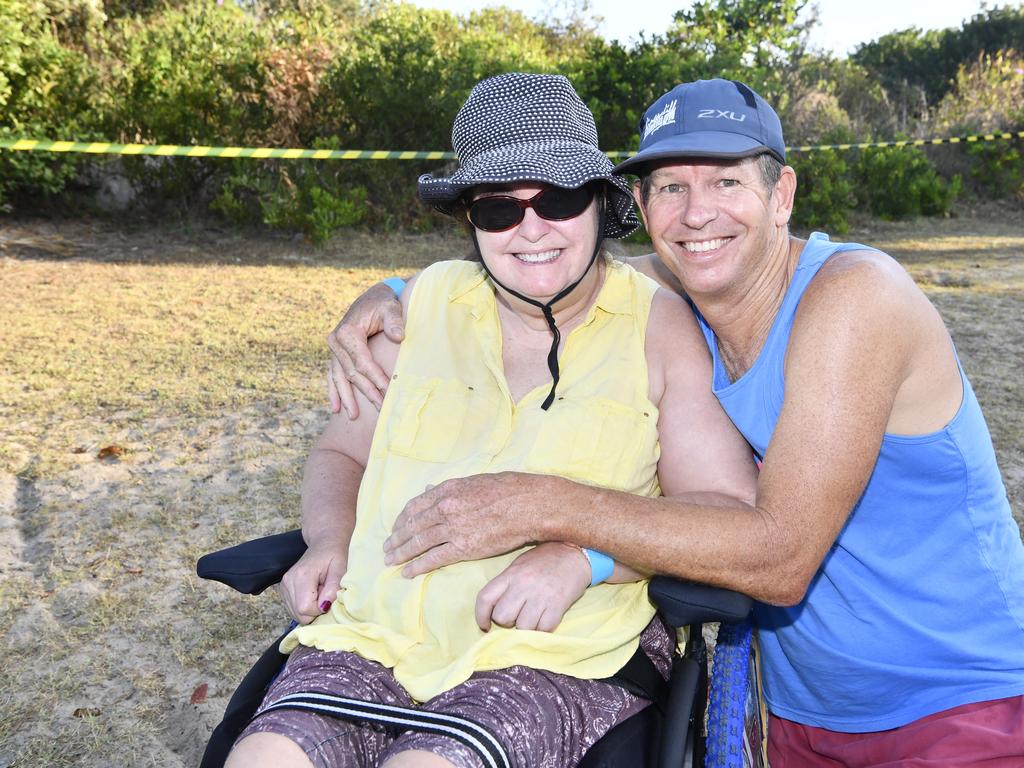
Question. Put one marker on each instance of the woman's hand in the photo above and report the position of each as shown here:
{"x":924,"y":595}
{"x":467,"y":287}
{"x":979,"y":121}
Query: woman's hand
{"x":351,"y":364}
{"x":536,"y":590}
{"x":310,"y":586}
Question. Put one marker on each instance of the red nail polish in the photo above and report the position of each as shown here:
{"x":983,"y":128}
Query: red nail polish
{"x":325,"y":606}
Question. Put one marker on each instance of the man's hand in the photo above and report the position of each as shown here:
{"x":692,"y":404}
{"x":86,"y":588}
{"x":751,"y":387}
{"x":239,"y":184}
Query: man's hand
{"x":351,"y":364}
{"x":311,"y":585}
{"x":469,"y":518}
{"x":536,"y":590}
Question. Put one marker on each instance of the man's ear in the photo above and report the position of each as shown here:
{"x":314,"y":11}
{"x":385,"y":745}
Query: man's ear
{"x":785,"y":192}
{"x":638,"y":198}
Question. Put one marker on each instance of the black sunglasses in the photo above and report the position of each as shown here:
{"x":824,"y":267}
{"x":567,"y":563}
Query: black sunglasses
{"x":498,"y":213}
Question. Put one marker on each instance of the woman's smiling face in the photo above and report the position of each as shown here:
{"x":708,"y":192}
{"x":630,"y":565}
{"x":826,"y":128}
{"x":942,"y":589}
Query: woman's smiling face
{"x":538,"y":257}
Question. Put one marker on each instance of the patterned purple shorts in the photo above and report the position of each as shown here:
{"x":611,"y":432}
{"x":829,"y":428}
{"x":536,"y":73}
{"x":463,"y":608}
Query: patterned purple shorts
{"x":541,"y":719}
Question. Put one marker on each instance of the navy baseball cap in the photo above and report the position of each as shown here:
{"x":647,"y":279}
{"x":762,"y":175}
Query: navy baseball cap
{"x":708,"y":118}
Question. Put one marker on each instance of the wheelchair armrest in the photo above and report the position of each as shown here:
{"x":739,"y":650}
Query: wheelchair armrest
{"x":254,"y":565}
{"x":684,"y":602}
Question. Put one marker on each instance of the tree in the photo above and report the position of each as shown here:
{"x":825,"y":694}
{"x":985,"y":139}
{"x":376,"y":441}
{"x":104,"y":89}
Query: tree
{"x":756,"y":41}
{"x":918,"y":68}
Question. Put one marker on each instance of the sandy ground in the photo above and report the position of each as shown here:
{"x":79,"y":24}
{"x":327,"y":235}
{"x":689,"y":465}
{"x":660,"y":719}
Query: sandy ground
{"x":117,"y":655}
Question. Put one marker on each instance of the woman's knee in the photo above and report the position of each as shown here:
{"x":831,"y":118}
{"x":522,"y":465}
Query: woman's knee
{"x":267,"y":749}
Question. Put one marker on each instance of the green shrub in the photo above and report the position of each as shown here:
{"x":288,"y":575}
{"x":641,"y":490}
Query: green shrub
{"x":188,"y":75}
{"x":313,"y":210}
{"x":48,"y":90}
{"x":389,"y":75}
{"x":14,"y":40}
{"x":865,"y":108}
{"x":988,"y":97}
{"x":997,"y":168}
{"x":898,"y":182}
{"x":619,"y":83}
{"x":814,"y":116}
{"x":825,"y":195}
{"x":329,"y":212}
{"x":314,"y":198}
{"x":29,"y":174}
{"x":927,"y":61}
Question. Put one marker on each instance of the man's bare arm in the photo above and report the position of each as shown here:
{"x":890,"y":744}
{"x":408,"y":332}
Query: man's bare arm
{"x":850,"y":349}
{"x":351,"y":366}
{"x":703,"y":457}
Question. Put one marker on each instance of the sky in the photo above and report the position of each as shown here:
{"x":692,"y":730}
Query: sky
{"x":842,"y":24}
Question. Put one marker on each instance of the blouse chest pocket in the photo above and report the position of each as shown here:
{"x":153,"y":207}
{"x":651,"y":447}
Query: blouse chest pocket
{"x":598,"y":442}
{"x":438,"y":420}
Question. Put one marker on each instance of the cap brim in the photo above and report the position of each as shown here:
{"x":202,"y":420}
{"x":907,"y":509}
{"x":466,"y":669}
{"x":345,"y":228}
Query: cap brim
{"x":719,"y":145}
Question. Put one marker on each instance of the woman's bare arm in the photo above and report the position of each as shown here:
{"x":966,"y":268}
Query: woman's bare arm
{"x":330,"y":488}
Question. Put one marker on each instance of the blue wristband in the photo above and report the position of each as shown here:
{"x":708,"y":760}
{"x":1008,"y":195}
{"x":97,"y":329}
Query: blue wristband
{"x":601,"y":566}
{"x":396,"y":284}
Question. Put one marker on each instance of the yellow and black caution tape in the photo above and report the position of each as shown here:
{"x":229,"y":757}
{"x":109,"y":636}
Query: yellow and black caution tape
{"x":177,"y":150}
{"x":909,"y":142}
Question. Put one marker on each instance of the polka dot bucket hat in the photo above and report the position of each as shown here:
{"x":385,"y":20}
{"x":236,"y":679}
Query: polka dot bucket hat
{"x":525,"y":127}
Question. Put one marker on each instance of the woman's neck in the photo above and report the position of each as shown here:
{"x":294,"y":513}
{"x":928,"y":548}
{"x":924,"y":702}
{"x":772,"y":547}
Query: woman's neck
{"x":568,"y":312}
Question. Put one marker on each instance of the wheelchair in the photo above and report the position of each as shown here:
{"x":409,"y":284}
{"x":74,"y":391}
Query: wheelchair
{"x":667,"y":734}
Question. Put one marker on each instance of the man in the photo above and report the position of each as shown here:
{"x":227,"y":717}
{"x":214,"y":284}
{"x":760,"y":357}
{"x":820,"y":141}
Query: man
{"x":889,"y":570}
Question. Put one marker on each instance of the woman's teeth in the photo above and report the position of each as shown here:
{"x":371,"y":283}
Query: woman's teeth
{"x":538,"y":258}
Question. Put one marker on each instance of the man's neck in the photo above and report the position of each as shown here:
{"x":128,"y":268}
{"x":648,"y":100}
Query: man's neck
{"x":743,"y":318}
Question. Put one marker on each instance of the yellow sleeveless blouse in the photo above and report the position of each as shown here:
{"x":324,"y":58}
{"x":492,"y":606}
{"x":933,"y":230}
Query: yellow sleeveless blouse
{"x":448,"y":413}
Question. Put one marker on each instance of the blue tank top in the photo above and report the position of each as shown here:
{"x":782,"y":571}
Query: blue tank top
{"x":919,"y":604}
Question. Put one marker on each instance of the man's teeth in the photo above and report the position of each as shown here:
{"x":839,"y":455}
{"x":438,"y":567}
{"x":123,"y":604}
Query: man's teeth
{"x":538,"y":258}
{"x":699,"y":246}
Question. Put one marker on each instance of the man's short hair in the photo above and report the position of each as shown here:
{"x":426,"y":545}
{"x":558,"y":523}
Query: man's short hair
{"x":768,"y":166}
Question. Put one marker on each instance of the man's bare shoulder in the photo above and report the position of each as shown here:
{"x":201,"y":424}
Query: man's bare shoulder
{"x":867,"y":309}
{"x":866,"y":282}
{"x":861,"y":318}
{"x":649,"y":264}
{"x":859,"y":268}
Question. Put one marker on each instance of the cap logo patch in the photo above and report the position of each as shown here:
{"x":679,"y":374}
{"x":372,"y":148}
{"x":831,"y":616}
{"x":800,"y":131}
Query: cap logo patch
{"x":716,"y":113}
{"x":667,"y":116}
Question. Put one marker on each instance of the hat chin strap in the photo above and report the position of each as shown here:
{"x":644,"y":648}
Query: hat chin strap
{"x":549,"y":316}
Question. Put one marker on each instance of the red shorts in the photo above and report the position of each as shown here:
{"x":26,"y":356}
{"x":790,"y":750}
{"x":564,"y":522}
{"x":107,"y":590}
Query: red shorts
{"x":988,"y":734}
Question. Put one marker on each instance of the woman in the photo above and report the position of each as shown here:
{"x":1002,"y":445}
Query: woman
{"x":543,"y":356}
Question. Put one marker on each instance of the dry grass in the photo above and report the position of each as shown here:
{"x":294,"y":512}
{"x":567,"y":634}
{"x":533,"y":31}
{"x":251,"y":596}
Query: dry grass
{"x":199,"y":355}
{"x":178,"y":333}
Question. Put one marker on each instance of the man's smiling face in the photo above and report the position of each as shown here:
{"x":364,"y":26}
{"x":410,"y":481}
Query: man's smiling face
{"x":712,"y":222}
